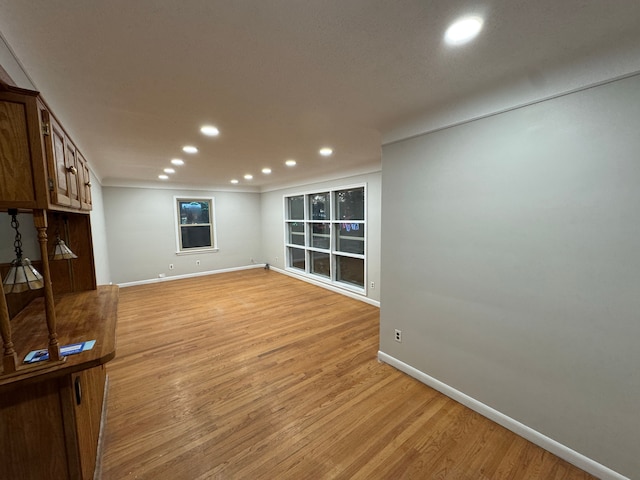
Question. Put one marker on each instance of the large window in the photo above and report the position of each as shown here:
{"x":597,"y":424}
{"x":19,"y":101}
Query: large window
{"x":325,"y":236}
{"x":195,"y":225}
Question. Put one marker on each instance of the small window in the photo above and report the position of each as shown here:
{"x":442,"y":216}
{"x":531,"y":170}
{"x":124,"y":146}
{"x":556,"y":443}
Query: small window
{"x":195,"y":224}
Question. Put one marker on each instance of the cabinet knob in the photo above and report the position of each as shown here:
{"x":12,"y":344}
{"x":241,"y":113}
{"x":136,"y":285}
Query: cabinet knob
{"x":73,"y":170}
{"x":88,"y":184}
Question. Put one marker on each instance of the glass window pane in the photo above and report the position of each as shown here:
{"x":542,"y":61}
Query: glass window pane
{"x":194,"y":212}
{"x":296,"y":258}
{"x":320,"y":235}
{"x":350,"y":204}
{"x":350,"y":270}
{"x":296,"y":233}
{"x":350,"y":237}
{"x":296,"y":207}
{"x":321,"y":264}
{"x":319,"y":205}
{"x":196,"y":236}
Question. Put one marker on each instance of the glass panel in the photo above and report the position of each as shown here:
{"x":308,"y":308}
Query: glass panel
{"x":196,"y":236}
{"x":296,"y":207}
{"x":319,"y":206}
{"x":320,"y":235}
{"x":350,"y":237}
{"x":296,"y":258}
{"x":193,"y":212}
{"x":350,"y":270}
{"x":321,"y":264}
{"x":350,"y":204}
{"x":296,"y":233}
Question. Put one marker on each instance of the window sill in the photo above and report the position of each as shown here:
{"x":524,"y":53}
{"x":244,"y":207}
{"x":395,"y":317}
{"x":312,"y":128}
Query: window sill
{"x":326,"y":280}
{"x":199,"y":251}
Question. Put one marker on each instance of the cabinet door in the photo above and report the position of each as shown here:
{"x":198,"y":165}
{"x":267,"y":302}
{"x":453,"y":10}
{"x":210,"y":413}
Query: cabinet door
{"x":55,"y":141}
{"x":71,"y":164}
{"x":84,"y":180}
{"x":19,"y":182}
{"x":32,"y":434}
{"x":86,"y":395}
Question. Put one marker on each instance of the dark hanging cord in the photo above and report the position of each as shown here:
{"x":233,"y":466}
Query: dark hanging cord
{"x":17,"y":244}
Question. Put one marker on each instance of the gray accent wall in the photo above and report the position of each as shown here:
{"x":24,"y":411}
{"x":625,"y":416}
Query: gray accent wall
{"x":273,"y":223}
{"x":510,"y":261}
{"x":142,"y":236}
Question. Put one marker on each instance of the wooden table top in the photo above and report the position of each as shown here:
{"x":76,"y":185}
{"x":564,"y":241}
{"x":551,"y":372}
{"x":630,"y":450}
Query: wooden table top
{"x":83,"y":316}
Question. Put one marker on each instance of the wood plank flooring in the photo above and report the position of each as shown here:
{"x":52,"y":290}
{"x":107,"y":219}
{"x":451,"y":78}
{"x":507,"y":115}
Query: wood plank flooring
{"x":255,"y":375}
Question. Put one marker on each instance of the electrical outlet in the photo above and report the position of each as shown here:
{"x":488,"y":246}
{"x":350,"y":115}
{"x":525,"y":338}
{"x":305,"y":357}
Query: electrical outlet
{"x":373,"y":285}
{"x":197,"y":262}
{"x":171,"y":266}
{"x":398,"y":335}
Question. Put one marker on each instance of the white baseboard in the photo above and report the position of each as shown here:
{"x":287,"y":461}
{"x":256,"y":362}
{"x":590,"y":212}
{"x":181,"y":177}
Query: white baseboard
{"x":190,"y":275}
{"x":327,"y":286}
{"x":562,"y":451}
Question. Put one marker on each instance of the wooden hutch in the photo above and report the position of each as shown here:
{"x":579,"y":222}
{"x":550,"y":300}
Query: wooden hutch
{"x":50,"y":412}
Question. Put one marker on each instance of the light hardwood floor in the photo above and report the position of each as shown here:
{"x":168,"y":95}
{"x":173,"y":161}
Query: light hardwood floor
{"x":255,"y":375}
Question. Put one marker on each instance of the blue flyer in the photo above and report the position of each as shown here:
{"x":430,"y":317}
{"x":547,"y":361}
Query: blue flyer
{"x":41,"y":355}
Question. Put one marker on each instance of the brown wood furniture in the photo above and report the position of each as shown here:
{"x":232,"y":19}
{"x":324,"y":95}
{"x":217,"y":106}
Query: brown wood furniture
{"x":50,"y":412}
{"x":40,"y":166}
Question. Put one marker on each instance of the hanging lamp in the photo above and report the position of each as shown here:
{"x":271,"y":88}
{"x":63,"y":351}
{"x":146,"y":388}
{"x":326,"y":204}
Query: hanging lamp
{"x":60,"y":249}
{"x":22,"y":275}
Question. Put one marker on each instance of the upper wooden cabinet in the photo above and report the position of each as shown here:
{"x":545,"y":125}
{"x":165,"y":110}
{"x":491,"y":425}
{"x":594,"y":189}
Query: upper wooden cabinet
{"x":40,"y":167}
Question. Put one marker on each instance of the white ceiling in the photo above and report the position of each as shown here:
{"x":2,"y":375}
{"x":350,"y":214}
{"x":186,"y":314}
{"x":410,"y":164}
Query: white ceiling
{"x":133,"y":80}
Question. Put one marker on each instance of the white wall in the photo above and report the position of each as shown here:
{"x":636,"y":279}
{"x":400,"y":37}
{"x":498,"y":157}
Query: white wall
{"x":510,"y":262}
{"x":13,"y":67}
{"x":99,"y":234}
{"x":273,"y":223}
{"x":142,"y":238}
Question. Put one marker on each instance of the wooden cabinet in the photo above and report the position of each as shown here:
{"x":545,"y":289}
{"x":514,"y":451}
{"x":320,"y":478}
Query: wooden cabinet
{"x":40,"y":165}
{"x":59,"y":440}
{"x":50,"y":418}
{"x":50,"y":413}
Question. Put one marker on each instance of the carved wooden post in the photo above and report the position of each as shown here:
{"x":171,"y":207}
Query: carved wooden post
{"x":9,"y":359}
{"x":40,"y":221}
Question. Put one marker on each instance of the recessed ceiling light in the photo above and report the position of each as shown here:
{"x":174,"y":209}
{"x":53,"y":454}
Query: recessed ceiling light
{"x":210,"y":130}
{"x":326,"y":151}
{"x":463,"y":30}
{"x":169,"y":170}
{"x":177,"y":161}
{"x":248,"y":176}
{"x":189,"y":149}
{"x":234,"y":181}
{"x":163,"y":177}
{"x":266,"y":171}
{"x":290,"y":163}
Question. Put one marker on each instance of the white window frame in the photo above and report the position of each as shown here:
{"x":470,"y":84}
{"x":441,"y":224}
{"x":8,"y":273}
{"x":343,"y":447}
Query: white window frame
{"x":332,"y":251}
{"x":178,"y":226}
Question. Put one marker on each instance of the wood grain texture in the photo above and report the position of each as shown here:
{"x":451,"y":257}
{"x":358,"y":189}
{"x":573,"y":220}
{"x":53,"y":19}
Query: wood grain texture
{"x":16,"y":176}
{"x":32,"y":434}
{"x":89,"y":315}
{"x":255,"y":375}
